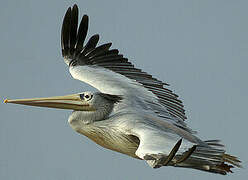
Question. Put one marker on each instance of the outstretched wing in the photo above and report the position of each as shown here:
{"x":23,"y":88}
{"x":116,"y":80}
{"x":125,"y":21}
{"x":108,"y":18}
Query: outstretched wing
{"x":109,"y":72}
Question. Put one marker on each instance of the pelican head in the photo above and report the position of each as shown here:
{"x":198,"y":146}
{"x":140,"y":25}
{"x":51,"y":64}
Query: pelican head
{"x":101,"y":105}
{"x":87,"y":106}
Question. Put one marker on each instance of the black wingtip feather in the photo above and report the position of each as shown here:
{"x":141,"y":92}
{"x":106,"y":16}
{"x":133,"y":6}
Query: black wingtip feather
{"x":75,"y":6}
{"x":73,"y":28}
{"x":99,"y":50}
{"x":65,"y":34}
{"x":91,"y":44}
{"x":82,"y":32}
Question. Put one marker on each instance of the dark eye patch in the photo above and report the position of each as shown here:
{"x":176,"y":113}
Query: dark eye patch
{"x":86,"y":96}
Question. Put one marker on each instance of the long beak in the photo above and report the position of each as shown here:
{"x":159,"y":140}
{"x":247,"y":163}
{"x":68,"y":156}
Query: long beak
{"x":62,"y":102}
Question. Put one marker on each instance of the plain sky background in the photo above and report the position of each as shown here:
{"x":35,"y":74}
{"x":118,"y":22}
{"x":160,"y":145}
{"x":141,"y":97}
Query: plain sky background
{"x":199,"y":47}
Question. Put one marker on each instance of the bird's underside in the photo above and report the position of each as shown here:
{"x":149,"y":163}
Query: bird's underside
{"x":118,"y":135}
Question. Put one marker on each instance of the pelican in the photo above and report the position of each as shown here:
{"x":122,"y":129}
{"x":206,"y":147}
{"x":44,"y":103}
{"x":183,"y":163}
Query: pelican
{"x":132,"y":112}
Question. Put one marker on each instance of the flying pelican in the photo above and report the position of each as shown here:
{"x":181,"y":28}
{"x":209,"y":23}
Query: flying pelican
{"x":132,"y":113}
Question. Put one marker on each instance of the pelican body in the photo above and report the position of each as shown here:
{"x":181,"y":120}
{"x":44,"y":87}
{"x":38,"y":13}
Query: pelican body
{"x":132,"y":112}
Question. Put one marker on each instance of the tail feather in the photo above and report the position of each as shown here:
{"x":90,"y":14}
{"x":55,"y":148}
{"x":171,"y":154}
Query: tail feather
{"x":232,"y":160}
{"x":211,"y":157}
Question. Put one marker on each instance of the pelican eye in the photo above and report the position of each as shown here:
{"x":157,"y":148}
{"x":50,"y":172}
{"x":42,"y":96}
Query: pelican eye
{"x":86,"y":97}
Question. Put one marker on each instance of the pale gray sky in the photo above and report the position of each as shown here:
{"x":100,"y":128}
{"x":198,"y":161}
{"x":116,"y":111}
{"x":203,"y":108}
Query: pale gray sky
{"x":199,"y":47}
